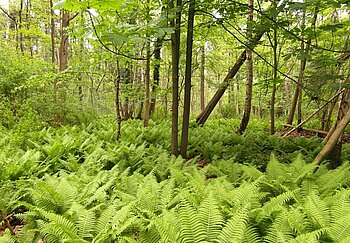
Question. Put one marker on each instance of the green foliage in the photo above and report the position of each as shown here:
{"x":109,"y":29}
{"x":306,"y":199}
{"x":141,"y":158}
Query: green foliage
{"x":78,"y":185}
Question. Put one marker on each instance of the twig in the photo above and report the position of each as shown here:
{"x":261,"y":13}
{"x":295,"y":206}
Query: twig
{"x":6,"y":222}
{"x":314,"y":113}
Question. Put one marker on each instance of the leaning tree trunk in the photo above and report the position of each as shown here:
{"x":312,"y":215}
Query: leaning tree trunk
{"x":333,"y":140}
{"x":249,"y":89}
{"x":175,"y":54}
{"x":188,"y":74}
{"x":335,"y":153}
{"x":202,"y":118}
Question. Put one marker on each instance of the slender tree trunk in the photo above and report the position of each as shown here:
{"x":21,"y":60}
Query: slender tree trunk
{"x":20,"y":27}
{"x":273,"y":93}
{"x":298,"y":91}
{"x":63,"y":51}
{"x":188,"y":74}
{"x":52,"y":32}
{"x":117,"y":101}
{"x":147,"y":85}
{"x":202,"y":77}
{"x":156,"y":73}
{"x":175,"y":53}
{"x":249,"y":85}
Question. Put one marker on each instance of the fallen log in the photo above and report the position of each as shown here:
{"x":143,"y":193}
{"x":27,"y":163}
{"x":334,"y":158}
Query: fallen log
{"x":319,"y":133}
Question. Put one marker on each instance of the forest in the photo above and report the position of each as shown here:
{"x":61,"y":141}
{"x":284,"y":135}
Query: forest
{"x":174,"y":121}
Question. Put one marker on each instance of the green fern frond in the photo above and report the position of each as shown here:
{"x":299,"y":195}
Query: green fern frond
{"x":275,"y":204}
{"x":333,"y":179}
{"x":167,"y":228}
{"x":210,"y":215}
{"x":105,"y":219}
{"x":122,"y":219}
{"x":340,"y":229}
{"x":190,"y":227}
{"x":339,"y":205}
{"x":59,"y":224}
{"x":234,"y":229}
{"x":310,"y":237}
{"x":85,"y":220}
{"x":297,"y":221}
{"x":8,"y":238}
{"x":251,"y":235}
{"x":150,"y":234}
{"x":317,"y":211}
{"x":275,"y":170}
{"x":280,"y":231}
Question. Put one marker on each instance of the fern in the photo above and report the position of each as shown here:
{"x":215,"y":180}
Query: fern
{"x":234,"y":229}
{"x":317,"y":211}
{"x":211,"y":217}
{"x":340,"y":229}
{"x":190,"y":228}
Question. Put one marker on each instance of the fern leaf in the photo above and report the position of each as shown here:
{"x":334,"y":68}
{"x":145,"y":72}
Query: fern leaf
{"x":210,"y":216}
{"x":191,"y":229}
{"x":340,"y":230}
{"x":235,"y":228}
{"x":274,"y":169}
{"x":317,"y":211}
{"x":310,"y":237}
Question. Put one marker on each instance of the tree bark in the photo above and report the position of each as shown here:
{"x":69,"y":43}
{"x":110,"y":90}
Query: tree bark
{"x":20,"y":27}
{"x":202,"y":118}
{"x":249,"y":85}
{"x":273,"y":93}
{"x":63,"y":51}
{"x":52,"y":32}
{"x":334,"y":138}
{"x":202,"y":77}
{"x":156,"y":74}
{"x":297,"y":99}
{"x":147,"y":85}
{"x":175,"y":54}
{"x":117,"y":102}
{"x":314,"y":113}
{"x":188,"y":74}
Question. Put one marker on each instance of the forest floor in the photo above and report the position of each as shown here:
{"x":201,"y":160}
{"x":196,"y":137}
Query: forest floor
{"x":47,"y":171}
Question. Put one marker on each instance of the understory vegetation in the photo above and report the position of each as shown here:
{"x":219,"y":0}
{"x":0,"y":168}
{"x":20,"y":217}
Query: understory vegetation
{"x":76,"y":184}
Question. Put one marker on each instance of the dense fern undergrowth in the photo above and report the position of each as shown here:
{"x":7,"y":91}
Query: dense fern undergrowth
{"x":76,"y":184}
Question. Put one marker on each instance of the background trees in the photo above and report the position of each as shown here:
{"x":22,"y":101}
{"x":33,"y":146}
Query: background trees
{"x":63,"y":59}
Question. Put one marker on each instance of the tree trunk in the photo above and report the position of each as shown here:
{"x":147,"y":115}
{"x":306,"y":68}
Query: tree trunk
{"x":175,"y":54}
{"x":297,"y":99}
{"x":147,"y":85}
{"x":52,"y":32}
{"x":249,"y":85}
{"x":202,"y":77}
{"x":202,"y":118}
{"x":273,"y":93}
{"x":156,"y":74}
{"x":20,"y":27}
{"x":335,"y":153}
{"x":188,"y":74}
{"x":117,"y":105}
{"x":63,"y":51}
{"x":333,"y":140}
